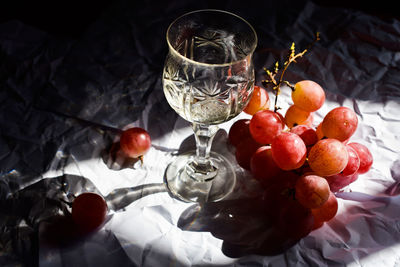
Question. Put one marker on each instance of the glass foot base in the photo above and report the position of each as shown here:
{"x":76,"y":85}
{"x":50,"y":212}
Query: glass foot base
{"x":187,"y":188}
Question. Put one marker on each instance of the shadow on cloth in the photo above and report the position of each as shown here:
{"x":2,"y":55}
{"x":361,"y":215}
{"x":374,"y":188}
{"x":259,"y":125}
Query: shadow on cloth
{"x":40,"y":214}
{"x":243,"y":224}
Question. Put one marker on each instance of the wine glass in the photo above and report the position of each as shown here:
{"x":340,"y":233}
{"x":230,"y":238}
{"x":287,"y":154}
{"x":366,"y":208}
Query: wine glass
{"x":208,"y":79}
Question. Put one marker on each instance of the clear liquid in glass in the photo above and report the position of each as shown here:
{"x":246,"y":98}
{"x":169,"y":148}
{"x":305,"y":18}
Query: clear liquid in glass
{"x":206,"y":94}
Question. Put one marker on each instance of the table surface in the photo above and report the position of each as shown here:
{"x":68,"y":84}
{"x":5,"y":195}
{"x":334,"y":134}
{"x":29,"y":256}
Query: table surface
{"x":66,"y":95}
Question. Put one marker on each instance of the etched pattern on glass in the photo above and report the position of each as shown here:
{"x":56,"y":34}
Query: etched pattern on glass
{"x":209,"y":38}
{"x":207,"y":95}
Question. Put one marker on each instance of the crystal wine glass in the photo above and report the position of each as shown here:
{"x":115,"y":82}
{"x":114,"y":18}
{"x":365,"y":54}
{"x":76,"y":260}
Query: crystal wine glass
{"x":208,"y":79}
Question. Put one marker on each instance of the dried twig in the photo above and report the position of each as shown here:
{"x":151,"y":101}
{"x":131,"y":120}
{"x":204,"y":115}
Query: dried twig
{"x":276,"y":83}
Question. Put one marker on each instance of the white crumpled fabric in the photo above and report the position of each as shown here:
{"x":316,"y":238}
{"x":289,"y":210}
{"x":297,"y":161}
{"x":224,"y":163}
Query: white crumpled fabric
{"x":365,"y":231}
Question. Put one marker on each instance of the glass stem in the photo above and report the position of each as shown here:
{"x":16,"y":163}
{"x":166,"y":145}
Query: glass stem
{"x":201,"y":168}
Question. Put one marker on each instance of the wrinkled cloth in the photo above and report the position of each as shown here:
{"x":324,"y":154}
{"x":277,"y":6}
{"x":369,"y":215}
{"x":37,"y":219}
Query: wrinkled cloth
{"x":64,"y":103}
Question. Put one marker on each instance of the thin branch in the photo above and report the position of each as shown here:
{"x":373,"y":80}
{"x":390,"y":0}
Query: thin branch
{"x":291,"y":58}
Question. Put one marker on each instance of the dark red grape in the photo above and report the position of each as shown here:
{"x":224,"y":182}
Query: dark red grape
{"x":89,"y":211}
{"x":244,"y":152}
{"x":339,"y":181}
{"x":295,"y":220}
{"x":239,"y":131}
{"x":262,"y":166}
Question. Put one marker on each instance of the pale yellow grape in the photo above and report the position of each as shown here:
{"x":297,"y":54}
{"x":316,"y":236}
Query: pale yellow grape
{"x":308,"y":95}
{"x":296,"y":116}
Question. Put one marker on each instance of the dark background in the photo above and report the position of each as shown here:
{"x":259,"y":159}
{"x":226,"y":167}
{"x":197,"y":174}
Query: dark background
{"x":98,"y":61}
{"x":70,"y":18}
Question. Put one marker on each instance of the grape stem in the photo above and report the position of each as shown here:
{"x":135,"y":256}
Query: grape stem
{"x":69,"y":204}
{"x":291,"y":58}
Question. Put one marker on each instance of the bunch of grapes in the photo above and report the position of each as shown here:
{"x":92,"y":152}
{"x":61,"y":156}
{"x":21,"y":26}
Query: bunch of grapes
{"x":296,"y":163}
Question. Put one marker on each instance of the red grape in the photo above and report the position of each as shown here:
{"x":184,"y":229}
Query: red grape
{"x":365,"y":156}
{"x":259,"y":101}
{"x":282,"y":119}
{"x":296,"y":116}
{"x":340,"y":123}
{"x":312,"y":191}
{"x":262,"y":166}
{"x":308,"y":95}
{"x":288,"y":151}
{"x":327,"y":211}
{"x":89,"y":211}
{"x":239,"y":131}
{"x":319,"y":132}
{"x":308,"y":134}
{"x":338,"y":181}
{"x":281,"y":185}
{"x":328,"y":157}
{"x":317,"y":224}
{"x":264,"y":126}
{"x":244,"y":152}
{"x":135,"y":142}
{"x":295,"y":220}
{"x":353,"y":164}
{"x":283,"y":209}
